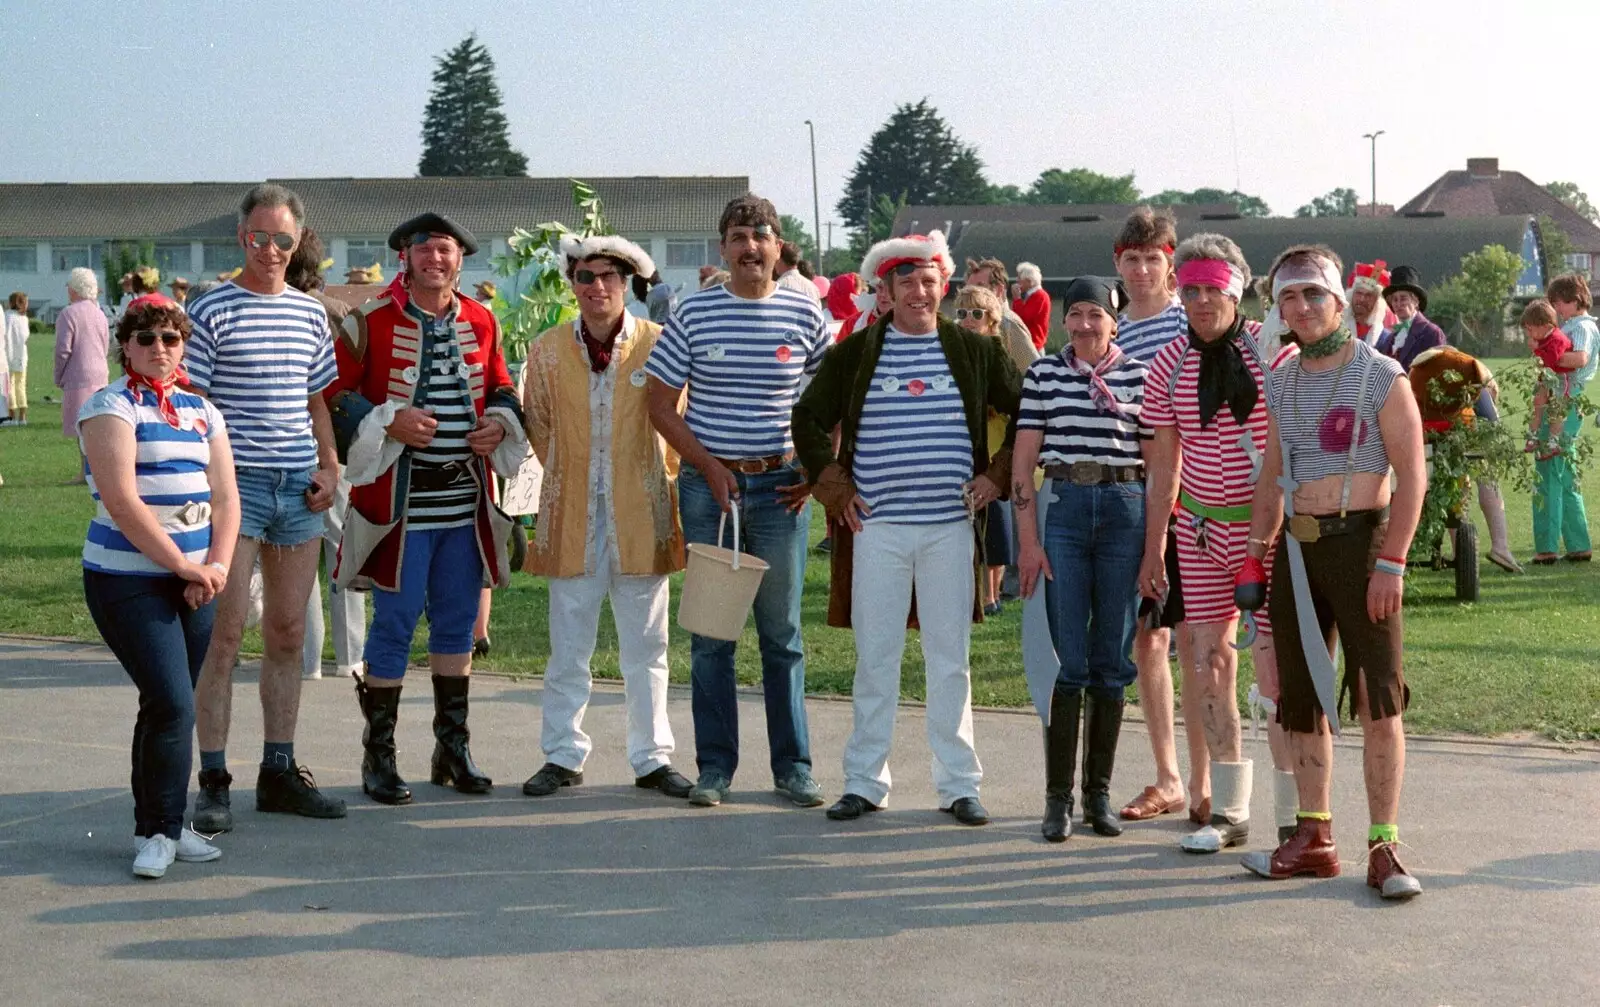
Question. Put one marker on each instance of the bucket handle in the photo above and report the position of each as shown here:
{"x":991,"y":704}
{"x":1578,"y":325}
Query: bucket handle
{"x":723,"y":523}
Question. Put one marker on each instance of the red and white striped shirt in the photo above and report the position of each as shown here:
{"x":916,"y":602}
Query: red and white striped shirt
{"x":1216,"y":464}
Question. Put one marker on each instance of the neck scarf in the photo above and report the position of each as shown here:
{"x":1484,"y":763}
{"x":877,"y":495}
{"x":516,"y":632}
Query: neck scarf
{"x":1328,"y":345}
{"x":599,"y":349}
{"x":1099,"y":391}
{"x":1224,"y":376}
{"x":162,"y":390}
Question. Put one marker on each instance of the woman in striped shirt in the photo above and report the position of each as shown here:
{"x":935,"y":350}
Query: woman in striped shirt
{"x":1081,"y":419}
{"x":157,"y":553}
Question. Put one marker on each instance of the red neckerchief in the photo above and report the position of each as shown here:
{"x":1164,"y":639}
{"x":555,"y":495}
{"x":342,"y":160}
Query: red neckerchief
{"x":599,"y":350}
{"x":162,"y":391}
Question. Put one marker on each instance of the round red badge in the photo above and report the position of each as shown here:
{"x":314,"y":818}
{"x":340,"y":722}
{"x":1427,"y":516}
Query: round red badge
{"x":916,"y":387}
{"x":200,"y":427}
{"x":784,"y":353}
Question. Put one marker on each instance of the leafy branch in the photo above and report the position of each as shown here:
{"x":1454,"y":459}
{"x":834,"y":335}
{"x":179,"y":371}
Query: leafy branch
{"x":537,"y":296}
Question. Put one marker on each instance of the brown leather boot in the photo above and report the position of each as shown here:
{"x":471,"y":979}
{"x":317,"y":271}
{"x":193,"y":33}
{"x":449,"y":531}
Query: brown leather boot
{"x":1309,"y":851}
{"x":1386,"y":874}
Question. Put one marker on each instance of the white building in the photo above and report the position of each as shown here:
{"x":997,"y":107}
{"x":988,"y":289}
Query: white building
{"x":47,"y":229}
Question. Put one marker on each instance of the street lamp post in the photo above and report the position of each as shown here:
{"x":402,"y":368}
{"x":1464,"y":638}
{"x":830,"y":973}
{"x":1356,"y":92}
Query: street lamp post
{"x":816,"y":202}
{"x":1374,"y":138}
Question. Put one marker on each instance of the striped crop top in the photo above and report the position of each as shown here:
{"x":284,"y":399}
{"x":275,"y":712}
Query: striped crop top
{"x":1319,"y":412}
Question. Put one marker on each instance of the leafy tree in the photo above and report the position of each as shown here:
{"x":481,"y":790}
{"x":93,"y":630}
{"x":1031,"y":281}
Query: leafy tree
{"x":838,"y":260}
{"x":1247,"y":205}
{"x":1570,"y":194}
{"x":1079,"y":186}
{"x":913,"y":158}
{"x":121,"y":259}
{"x":537,"y":295}
{"x":1472,"y":304}
{"x":794,"y":229}
{"x":1334,"y":203}
{"x":1005,"y":195}
{"x":463,"y":128}
{"x":1557,"y":246}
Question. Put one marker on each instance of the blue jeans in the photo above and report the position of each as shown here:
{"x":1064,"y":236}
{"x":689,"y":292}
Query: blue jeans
{"x":161,"y":643}
{"x":440,"y":572}
{"x":769,"y":531}
{"x":1094,"y":540}
{"x":272,"y":506}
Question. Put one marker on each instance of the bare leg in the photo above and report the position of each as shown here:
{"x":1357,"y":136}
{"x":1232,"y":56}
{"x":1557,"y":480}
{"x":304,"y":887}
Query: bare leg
{"x":213,"y":693}
{"x":287,"y":574}
{"x":1313,"y":767}
{"x":480,"y":628}
{"x":1155,"y":699}
{"x":1216,"y":673}
{"x":450,"y":665}
{"x":1383,"y":761}
{"x":1193,"y":723}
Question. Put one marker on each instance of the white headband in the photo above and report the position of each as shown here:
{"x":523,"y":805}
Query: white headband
{"x":1312,"y":269}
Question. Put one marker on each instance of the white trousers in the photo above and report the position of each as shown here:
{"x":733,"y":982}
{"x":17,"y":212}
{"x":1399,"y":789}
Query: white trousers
{"x":639,"y":608}
{"x":349,"y":608}
{"x":889,"y":559}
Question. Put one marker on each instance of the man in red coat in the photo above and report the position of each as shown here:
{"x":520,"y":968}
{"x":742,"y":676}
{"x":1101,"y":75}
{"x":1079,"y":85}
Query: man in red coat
{"x":1032,"y":303}
{"x":422,"y":407}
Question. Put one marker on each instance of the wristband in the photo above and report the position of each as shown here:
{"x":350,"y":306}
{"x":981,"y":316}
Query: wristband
{"x":1390,"y":567}
{"x":1398,"y":560}
{"x":220,"y":566}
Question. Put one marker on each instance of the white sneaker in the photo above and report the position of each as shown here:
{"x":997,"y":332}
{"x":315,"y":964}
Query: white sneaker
{"x":312,"y":674}
{"x":156,"y":854}
{"x":191,"y":848}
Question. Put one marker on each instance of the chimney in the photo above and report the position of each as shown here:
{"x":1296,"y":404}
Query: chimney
{"x":1483,"y":167}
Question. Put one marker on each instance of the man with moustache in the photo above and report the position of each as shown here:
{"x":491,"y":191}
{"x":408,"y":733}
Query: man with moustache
{"x":743,"y":349}
{"x":423,"y":407}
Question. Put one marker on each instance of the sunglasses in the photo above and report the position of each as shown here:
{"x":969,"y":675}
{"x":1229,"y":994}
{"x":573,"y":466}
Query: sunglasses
{"x":260,"y":239}
{"x":976,"y":314}
{"x":148,"y":337}
{"x":588,"y":276}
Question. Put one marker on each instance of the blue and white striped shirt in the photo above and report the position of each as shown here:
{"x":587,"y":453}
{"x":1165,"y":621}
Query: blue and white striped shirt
{"x":1143,"y":339}
{"x":913,"y":452}
{"x":170,"y":470}
{"x":1057,"y":401}
{"x":743,"y":360}
{"x":259,"y":358}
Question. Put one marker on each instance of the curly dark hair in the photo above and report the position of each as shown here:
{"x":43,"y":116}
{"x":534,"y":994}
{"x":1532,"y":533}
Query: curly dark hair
{"x":304,"y":272}
{"x":749,"y":210}
{"x":1147,"y":228}
{"x":164,"y":314}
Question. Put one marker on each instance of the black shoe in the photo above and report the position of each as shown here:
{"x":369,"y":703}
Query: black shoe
{"x":825,"y":546}
{"x":551,"y":778}
{"x":968,"y":811}
{"x":292,"y":791}
{"x":850,"y":807}
{"x":380,"y":777}
{"x":1097,"y":814}
{"x":1060,"y":762}
{"x":665,"y":779}
{"x":1102,"y":724}
{"x":452,"y":759}
{"x":213,"y":807}
{"x":991,"y":609}
{"x":1057,"y":824}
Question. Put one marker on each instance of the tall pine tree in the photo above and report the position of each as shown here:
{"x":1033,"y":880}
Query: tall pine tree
{"x":463,"y":127}
{"x":914,"y":157}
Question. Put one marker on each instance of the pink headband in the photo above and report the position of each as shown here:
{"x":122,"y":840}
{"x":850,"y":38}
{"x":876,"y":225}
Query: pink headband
{"x":1212,"y":273}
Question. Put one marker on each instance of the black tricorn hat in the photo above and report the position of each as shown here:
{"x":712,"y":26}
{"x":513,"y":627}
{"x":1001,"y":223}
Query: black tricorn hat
{"x":432,"y":223}
{"x":1408,"y":279}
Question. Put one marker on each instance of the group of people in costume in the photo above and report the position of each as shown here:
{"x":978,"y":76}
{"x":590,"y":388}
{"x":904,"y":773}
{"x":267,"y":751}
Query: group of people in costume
{"x":1174,"y":465}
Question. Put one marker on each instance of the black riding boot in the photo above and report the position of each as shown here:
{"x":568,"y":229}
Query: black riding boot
{"x":1060,"y":756}
{"x":1102,"y":723}
{"x":452,"y":760}
{"x":380,"y":778}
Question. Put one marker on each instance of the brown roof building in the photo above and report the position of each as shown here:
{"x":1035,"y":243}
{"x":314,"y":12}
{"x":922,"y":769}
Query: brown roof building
{"x":1484,"y":189}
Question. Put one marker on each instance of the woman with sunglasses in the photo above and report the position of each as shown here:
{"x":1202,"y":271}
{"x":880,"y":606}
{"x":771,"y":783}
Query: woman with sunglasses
{"x":979,"y":310}
{"x":157,"y":553}
{"x":1082,"y":420}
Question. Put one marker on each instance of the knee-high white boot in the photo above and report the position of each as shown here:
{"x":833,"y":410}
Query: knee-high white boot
{"x":1230,"y":810}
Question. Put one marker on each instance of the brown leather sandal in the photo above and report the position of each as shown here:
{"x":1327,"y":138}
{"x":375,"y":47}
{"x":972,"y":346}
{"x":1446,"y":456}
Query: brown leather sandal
{"x":1150,"y":804}
{"x":1200,"y":814}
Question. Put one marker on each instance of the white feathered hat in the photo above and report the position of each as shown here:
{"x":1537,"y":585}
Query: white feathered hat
{"x":921,"y":249}
{"x":575,"y":249}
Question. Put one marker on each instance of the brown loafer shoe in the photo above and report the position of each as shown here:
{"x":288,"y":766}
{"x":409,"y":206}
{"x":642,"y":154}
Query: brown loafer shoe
{"x":1200,"y":814}
{"x":1150,"y":804}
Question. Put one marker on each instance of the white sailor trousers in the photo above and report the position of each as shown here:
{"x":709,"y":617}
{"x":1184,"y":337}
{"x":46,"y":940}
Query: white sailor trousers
{"x":889,"y":559}
{"x":639,"y":609}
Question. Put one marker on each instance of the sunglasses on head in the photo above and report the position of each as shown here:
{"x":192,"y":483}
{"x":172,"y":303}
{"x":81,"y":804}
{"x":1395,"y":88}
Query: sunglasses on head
{"x":148,"y":337}
{"x":260,"y":239}
{"x":587,"y":276}
{"x":976,"y":314}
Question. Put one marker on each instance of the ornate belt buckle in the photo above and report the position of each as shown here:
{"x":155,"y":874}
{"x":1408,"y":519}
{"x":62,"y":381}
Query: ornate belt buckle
{"x":1305,"y":528}
{"x":1084,"y":473}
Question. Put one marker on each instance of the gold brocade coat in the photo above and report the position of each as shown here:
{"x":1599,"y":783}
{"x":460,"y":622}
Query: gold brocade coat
{"x":644,"y":491}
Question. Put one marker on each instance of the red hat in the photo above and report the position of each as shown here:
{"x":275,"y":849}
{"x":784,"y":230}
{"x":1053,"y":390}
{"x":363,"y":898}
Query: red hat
{"x":1370,"y":275}
{"x":155,"y":300}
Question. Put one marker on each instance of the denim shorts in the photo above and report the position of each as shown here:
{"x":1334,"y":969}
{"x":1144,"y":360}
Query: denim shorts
{"x":272,"y":506}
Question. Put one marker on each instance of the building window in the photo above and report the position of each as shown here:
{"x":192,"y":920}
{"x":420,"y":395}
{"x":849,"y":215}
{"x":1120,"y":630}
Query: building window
{"x":222,"y":256}
{"x":19,"y":259}
{"x":174,"y":259}
{"x":360,"y":254}
{"x":66,"y":258}
{"x":693,"y":254}
{"x":1581,"y":262}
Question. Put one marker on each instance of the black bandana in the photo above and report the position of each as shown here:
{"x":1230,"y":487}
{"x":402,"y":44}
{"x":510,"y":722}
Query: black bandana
{"x":1224,"y":376}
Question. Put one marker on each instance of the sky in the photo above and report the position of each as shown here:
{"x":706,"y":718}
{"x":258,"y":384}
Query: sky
{"x":1270,"y":97}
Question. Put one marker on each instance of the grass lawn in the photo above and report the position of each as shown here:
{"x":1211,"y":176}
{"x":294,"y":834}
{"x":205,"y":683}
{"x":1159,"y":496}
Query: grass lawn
{"x":1525,"y":658}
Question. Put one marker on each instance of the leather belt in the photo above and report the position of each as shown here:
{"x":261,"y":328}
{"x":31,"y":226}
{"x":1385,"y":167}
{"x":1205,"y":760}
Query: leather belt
{"x":1094,"y":473}
{"x":1307,"y":528}
{"x":756,"y":466}
{"x":435,"y":478}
